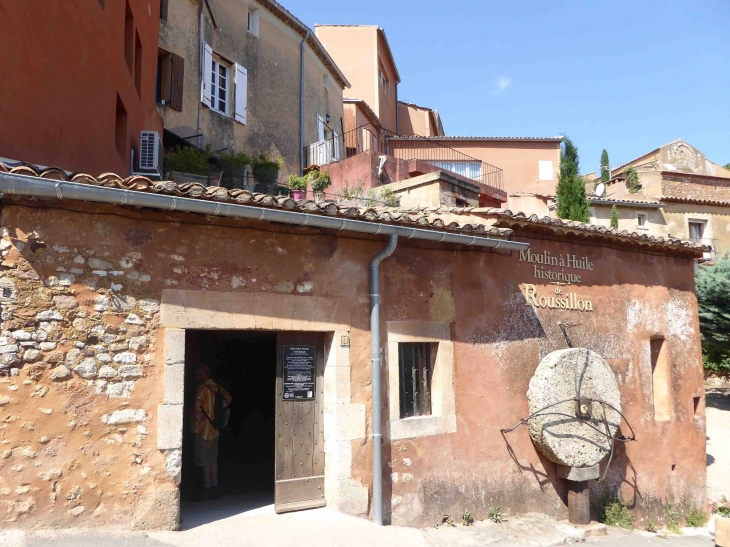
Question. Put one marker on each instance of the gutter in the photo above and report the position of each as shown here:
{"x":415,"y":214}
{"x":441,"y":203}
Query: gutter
{"x":24,"y":185}
{"x":301,"y":103}
{"x":375,"y":359}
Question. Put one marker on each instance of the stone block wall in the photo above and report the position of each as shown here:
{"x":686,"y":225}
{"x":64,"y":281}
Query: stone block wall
{"x":76,"y":368}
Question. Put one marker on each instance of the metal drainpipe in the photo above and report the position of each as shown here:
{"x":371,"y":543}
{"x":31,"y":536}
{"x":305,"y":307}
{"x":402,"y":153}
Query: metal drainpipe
{"x":301,"y":104}
{"x":375,"y":358}
{"x":201,"y":68}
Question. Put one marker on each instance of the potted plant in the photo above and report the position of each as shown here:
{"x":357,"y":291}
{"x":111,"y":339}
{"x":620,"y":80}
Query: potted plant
{"x":298,"y":187}
{"x":721,"y":510}
{"x":266,"y":173}
{"x":321,"y":180}
{"x":235,"y":167}
{"x":190,"y":164}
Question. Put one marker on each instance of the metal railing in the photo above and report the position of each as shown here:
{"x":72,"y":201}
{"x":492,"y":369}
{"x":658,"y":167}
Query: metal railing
{"x":413,"y":147}
{"x":714,"y":254}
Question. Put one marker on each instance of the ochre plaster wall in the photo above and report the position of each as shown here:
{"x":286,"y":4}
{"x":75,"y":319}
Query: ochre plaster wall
{"x":83,"y":450}
{"x":68,"y":67}
{"x":518,"y":160}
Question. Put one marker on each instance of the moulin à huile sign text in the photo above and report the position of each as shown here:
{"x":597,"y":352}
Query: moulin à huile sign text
{"x":544,"y":265}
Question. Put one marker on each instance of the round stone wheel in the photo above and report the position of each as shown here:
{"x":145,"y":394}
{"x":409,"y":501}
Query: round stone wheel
{"x":564,"y":438}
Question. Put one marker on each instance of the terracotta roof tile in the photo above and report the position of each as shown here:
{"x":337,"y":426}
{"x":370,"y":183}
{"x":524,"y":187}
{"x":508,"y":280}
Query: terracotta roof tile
{"x":697,"y":201}
{"x":502,"y":220}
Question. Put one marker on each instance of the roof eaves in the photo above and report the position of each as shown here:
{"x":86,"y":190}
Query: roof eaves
{"x":390,"y":53}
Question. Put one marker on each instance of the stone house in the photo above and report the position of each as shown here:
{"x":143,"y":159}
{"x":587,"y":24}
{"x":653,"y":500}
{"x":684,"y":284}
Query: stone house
{"x":113,"y":289}
{"x":267,"y":86}
{"x":682,"y":194}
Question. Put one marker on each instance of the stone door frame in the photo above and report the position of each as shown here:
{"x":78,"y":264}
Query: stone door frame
{"x":344,"y":421}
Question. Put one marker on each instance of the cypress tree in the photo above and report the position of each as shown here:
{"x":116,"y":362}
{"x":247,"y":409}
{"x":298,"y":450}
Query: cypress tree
{"x":572,"y":203}
{"x":614,"y":217}
{"x":605,"y":172}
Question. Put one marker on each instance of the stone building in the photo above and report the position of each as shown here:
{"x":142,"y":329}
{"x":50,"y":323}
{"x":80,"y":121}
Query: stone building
{"x":267,"y":82}
{"x":113,"y":289}
{"x":681,"y":193}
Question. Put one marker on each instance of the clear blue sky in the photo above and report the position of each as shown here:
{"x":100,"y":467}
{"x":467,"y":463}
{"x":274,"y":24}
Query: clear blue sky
{"x":623,"y":75}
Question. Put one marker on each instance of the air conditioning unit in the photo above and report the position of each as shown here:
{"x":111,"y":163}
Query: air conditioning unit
{"x":150,"y":153}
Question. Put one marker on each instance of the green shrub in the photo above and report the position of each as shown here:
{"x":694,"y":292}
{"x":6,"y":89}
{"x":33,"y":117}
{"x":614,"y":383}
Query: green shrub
{"x":614,"y":216}
{"x":495,"y":515}
{"x":721,"y":507}
{"x":673,"y":520}
{"x":651,"y":527}
{"x":297,"y":183}
{"x":265,"y":170}
{"x":467,"y":518}
{"x":321,"y":182}
{"x":188,"y":159}
{"x":632,"y":177}
{"x":697,"y":518}
{"x":352,"y":192}
{"x":617,"y":514}
{"x":389,"y":198}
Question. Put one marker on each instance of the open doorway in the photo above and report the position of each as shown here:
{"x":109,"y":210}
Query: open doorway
{"x":244,"y":363}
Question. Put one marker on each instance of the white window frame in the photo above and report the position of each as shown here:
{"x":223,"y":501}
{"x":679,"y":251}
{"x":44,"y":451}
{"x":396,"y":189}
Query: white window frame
{"x":700,"y":221}
{"x":442,"y":419}
{"x":216,"y":64}
{"x":253,"y":21}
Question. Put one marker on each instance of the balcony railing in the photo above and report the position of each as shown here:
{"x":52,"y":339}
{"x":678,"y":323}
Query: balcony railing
{"x":714,"y":254}
{"x":412,"y":147}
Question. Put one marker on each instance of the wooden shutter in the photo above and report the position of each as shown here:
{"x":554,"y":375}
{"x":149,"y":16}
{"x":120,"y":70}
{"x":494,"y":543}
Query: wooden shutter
{"x":177,"y":81}
{"x":241,"y":93}
{"x":207,"y":74}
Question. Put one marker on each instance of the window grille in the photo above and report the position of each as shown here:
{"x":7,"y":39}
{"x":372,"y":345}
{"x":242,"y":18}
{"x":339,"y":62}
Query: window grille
{"x":415,"y":379}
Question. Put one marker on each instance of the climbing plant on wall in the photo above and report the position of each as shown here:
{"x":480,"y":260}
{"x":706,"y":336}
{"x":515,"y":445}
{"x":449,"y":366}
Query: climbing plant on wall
{"x":572,"y":203}
{"x":713,"y":297}
{"x":632,"y":178}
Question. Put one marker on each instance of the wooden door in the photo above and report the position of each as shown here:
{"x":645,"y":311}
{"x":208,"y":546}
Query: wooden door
{"x":299,"y":431}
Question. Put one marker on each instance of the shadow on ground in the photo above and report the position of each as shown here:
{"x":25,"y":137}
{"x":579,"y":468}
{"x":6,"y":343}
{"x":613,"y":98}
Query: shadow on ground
{"x":194,"y":514}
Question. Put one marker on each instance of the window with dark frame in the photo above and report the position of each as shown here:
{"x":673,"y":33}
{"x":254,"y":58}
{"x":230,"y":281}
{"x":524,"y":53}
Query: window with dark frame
{"x":415,"y":379}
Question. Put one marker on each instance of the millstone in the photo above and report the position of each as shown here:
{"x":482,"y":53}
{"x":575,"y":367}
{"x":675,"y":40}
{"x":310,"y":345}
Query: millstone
{"x":566,"y":439}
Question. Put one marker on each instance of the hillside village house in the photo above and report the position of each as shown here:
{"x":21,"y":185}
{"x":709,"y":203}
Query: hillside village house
{"x":682,"y":194}
{"x":388,"y":141}
{"x":267,"y":86}
{"x":62,"y":109}
{"x":113,"y":289}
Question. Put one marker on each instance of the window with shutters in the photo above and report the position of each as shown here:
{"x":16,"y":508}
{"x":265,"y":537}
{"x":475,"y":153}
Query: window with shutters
{"x":220,"y":85}
{"x":170,"y":79}
{"x":415,"y":379}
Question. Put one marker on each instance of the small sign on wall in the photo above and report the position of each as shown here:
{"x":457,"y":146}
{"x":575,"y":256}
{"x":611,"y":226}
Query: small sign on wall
{"x":299,"y":374}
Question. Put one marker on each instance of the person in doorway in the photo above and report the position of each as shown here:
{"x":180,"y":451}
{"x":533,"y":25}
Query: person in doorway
{"x":205,"y":435}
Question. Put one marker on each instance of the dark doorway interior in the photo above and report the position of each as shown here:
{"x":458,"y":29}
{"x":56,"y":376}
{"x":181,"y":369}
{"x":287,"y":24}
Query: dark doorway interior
{"x":245,"y":364}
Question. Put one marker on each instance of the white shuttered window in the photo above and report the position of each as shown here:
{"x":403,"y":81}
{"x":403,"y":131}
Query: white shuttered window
{"x":241,"y":93}
{"x":207,"y":71}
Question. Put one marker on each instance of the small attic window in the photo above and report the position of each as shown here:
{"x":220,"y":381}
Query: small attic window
{"x":326,"y":81}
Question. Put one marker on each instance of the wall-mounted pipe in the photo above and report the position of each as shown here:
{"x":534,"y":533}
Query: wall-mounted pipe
{"x":301,"y":103}
{"x":375,"y":359}
{"x":24,"y":185}
{"x":201,"y":68}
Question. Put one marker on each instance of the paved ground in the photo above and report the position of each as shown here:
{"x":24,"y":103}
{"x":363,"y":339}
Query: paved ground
{"x":718,"y":443}
{"x":251,"y":521}
{"x":261,"y":527}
